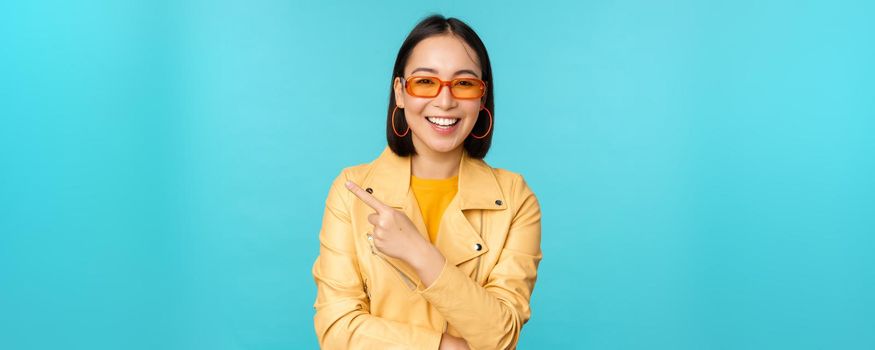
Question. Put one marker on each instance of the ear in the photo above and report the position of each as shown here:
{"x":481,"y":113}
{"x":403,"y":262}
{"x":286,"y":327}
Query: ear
{"x":399,"y":92}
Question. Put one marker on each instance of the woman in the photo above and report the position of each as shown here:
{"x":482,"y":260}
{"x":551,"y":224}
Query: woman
{"x":428,"y":247}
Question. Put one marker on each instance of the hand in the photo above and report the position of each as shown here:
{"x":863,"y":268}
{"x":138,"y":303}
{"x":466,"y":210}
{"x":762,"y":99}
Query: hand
{"x":449,"y":342}
{"x":394,"y":234}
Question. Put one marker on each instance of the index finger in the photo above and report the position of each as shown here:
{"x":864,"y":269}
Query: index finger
{"x":366,"y":197}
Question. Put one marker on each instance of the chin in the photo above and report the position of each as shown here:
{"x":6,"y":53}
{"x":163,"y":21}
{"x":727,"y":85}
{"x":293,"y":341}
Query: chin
{"x":442,"y":146}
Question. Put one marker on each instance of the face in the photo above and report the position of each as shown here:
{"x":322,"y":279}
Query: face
{"x":446,"y":57}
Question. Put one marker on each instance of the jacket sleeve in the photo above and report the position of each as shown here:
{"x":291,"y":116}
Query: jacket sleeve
{"x":343,"y":319}
{"x":491,"y":316}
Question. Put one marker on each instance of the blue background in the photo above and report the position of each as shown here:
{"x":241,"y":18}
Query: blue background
{"x":705,"y":169}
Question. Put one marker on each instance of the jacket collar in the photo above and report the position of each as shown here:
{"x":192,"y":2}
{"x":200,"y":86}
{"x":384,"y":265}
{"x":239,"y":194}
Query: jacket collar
{"x":478,"y":187}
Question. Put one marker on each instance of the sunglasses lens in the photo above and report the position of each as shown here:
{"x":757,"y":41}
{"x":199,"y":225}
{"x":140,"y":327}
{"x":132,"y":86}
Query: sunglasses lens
{"x":423,"y":87}
{"x":467,"y":88}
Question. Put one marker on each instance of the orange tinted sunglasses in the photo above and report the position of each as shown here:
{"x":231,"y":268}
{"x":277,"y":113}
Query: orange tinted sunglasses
{"x":461,"y":88}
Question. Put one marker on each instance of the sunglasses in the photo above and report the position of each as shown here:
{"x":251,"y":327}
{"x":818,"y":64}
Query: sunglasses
{"x":461,"y":88}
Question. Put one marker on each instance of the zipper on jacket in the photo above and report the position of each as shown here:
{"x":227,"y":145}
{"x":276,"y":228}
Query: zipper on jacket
{"x":404,"y":277}
{"x":407,"y":280}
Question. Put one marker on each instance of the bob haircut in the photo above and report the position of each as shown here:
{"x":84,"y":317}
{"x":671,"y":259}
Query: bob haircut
{"x":432,"y":26}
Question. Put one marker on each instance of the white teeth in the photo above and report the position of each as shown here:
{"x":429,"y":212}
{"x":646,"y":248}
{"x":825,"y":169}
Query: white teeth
{"x":443,"y":121}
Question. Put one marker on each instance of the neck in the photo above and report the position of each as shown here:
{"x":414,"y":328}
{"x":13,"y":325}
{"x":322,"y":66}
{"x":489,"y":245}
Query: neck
{"x":429,"y":164}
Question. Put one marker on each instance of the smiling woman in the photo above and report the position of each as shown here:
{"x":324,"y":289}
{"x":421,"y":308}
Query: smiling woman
{"x":435,"y":249}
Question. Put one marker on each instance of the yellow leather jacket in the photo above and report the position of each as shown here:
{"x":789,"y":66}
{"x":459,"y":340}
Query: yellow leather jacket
{"x":490,"y":235}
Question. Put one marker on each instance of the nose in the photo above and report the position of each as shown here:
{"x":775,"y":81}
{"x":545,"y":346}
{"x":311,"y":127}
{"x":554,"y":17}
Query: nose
{"x":445,"y":100}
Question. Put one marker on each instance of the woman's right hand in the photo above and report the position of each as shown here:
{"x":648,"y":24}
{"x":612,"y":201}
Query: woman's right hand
{"x":449,"y":342}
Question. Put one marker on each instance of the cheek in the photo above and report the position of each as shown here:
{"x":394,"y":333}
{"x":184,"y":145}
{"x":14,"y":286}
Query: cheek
{"x":414,"y":108}
{"x":472,"y":112}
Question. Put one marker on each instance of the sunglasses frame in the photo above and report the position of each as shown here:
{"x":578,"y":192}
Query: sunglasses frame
{"x":441,"y":84}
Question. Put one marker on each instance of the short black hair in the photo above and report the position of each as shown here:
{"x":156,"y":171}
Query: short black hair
{"x":432,"y":26}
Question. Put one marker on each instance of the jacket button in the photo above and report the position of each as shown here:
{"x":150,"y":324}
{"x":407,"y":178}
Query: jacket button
{"x":478,"y":247}
{"x":498,"y":202}
{"x":369,"y":190}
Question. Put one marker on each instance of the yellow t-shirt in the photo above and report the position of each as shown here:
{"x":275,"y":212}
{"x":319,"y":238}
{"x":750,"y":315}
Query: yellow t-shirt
{"x":433,"y":196}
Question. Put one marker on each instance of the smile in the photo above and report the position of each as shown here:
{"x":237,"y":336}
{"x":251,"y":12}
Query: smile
{"x":443,"y":121}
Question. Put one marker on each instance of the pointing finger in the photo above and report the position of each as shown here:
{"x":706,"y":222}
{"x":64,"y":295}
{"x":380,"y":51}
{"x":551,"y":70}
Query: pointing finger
{"x":366,"y":197}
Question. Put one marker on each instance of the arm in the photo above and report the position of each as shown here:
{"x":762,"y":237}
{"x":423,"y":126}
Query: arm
{"x":490,"y":316}
{"x":343,"y":318}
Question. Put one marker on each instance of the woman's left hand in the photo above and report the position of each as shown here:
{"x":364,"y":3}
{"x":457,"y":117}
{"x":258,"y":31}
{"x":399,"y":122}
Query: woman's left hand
{"x":394,"y":234}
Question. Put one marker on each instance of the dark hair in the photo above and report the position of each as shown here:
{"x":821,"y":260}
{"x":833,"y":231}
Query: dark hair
{"x":431,"y":26}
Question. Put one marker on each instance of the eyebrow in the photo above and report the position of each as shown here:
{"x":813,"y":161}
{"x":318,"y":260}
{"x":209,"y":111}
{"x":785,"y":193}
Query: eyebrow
{"x":430,"y":70}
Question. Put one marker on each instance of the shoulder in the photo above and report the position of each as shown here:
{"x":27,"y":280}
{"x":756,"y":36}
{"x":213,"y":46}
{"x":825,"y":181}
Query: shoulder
{"x":507,"y":176}
{"x":524,"y":209}
{"x":514,"y":186}
{"x":509,"y":179}
{"x":356,"y":173}
{"x":337,"y":192}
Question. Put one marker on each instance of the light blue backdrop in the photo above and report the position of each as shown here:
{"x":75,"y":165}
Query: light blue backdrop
{"x":705,"y":170}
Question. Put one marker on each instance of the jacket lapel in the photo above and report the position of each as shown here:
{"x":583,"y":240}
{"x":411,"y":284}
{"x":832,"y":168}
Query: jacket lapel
{"x":457,"y":238}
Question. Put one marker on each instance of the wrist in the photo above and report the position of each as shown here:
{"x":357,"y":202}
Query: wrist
{"x":425,"y":258}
